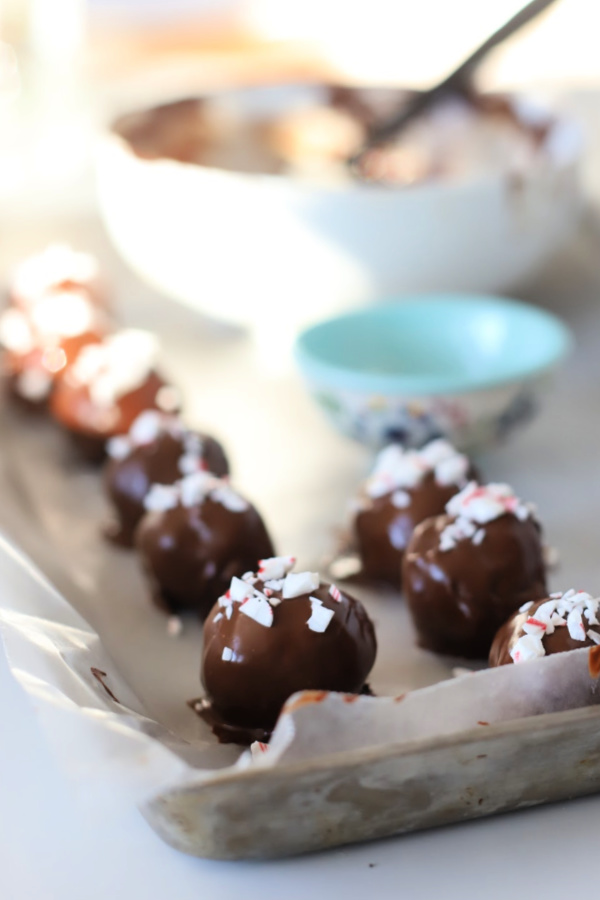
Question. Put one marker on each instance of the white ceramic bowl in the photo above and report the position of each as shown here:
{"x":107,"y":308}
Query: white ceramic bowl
{"x":254,"y":248}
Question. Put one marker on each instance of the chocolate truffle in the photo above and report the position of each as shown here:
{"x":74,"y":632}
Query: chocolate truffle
{"x":107,"y":387}
{"x":553,"y":624}
{"x":57,"y":268}
{"x":158,"y":449}
{"x":39,"y":344}
{"x":406,"y":487}
{"x":465,"y":572}
{"x":274,"y":633}
{"x":195,"y":536}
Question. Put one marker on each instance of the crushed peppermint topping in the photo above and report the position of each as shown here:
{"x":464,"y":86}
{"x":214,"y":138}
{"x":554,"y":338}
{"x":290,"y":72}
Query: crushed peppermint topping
{"x":477,"y":505}
{"x":299,"y":583}
{"x":396,"y":468}
{"x":320,"y":616}
{"x":145,"y":430}
{"x":47,"y":270}
{"x":400,"y":499}
{"x":570,"y":610}
{"x":161,"y":497}
{"x":259,"y":604}
{"x":257,"y":607}
{"x":275,"y":568}
{"x":118,"y":365}
{"x":193,"y":490}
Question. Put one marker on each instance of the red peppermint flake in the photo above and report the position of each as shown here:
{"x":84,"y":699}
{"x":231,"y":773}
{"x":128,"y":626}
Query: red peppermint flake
{"x":267,"y":592}
{"x":228,"y":595}
{"x":262,"y":746}
{"x":335,"y":593}
{"x":531,"y":621}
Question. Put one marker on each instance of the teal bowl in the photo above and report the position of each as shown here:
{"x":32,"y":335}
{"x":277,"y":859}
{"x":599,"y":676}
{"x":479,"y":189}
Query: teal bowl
{"x":471,"y":368}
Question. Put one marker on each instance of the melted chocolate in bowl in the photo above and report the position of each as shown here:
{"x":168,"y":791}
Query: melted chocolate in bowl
{"x":320,"y":126}
{"x":459,"y":598}
{"x":127,"y":481}
{"x":247,"y":690}
{"x":190,"y":554}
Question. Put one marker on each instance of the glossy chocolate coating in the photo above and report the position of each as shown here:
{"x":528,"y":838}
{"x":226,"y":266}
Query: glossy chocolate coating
{"x":273,"y":663}
{"x":190,"y":554}
{"x":383,"y":531}
{"x":127,"y":481}
{"x":459,"y":598}
{"x":91,"y":425}
{"x":560,"y":641}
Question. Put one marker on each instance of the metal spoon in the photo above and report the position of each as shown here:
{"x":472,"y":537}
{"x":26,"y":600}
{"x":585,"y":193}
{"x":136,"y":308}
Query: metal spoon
{"x":455,"y":82}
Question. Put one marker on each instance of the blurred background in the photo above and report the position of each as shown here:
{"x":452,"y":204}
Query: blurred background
{"x":66,"y":66}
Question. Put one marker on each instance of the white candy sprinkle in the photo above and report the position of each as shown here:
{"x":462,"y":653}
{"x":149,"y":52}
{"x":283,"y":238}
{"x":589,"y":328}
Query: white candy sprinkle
{"x":275,"y":568}
{"x":118,"y":447}
{"x":456,"y":531}
{"x":296,"y":584}
{"x":229,"y":611}
{"x":478,"y":536}
{"x":526,"y":606}
{"x":147,"y":427}
{"x":452,"y":470}
{"x":227,"y":654}
{"x":239,"y":590}
{"x":168,"y":398}
{"x":274,"y":584}
{"x":258,"y":608}
{"x":174,"y":626}
{"x":400,"y":499}
{"x":218,"y":617}
{"x":335,"y":593}
{"x":228,"y":498}
{"x":575,"y":625}
{"x":320,"y":616}
{"x":250,"y":577}
{"x":195,"y":487}
{"x":189,"y":463}
{"x":161,"y":497}
{"x":594,"y":636}
{"x":528,"y":647}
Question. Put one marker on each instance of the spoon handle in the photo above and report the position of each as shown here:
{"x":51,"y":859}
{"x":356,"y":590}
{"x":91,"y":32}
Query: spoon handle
{"x":453,"y":82}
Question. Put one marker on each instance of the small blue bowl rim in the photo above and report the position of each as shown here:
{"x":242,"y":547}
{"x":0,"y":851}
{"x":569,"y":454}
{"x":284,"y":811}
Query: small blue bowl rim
{"x":345,"y":378}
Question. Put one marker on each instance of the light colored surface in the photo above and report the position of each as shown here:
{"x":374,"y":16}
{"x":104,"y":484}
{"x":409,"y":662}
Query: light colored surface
{"x":52,"y":842}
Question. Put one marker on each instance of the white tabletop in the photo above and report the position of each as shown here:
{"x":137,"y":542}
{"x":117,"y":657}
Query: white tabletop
{"x":56,"y":845}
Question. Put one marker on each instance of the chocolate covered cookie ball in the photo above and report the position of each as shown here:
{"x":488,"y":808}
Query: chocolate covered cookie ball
{"x":467,"y":571}
{"x":406,"y":487}
{"x":158,"y":449}
{"x":40,"y":343}
{"x":554,"y":624}
{"x":107,"y":387}
{"x":195,"y":536}
{"x":273,"y":633}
